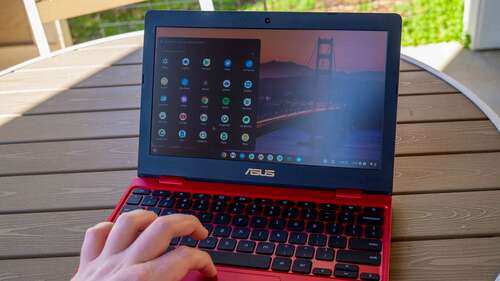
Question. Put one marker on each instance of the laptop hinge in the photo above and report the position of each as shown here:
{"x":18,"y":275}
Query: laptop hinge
{"x":171,"y":180}
{"x":349,"y":193}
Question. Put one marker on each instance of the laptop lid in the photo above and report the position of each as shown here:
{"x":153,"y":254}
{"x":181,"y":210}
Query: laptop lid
{"x":285,"y":99}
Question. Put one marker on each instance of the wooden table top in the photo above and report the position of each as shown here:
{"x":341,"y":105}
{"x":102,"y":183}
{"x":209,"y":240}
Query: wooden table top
{"x":68,"y":149}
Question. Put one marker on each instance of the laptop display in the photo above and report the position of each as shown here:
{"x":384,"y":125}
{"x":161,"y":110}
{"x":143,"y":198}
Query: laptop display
{"x":298,"y":97}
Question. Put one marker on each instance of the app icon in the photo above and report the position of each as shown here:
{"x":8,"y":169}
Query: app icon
{"x":232,"y":155}
{"x":162,"y":115}
{"x":162,"y":132}
{"x":185,"y":61}
{"x":164,"y":60}
{"x":279,"y":158}
{"x":251,"y":156}
{"x":247,"y":84}
{"x":223,"y":136}
{"x":226,"y":83}
{"x":270,"y":157}
{"x":228,"y":63}
{"x":242,"y":155}
{"x":245,"y":119}
{"x":206,"y":62}
{"x":205,"y":83}
{"x":184,"y":82}
{"x":325,"y":161}
{"x":182,"y":134}
{"x":163,"y":99}
{"x":245,"y":137}
{"x":289,"y":158}
{"x":164,"y":81}
{"x":248,"y":63}
{"x":226,"y":101}
{"x":203,"y":117}
{"x":247,"y":101}
{"x":223,"y":154}
{"x":298,"y":159}
{"x":183,"y":116}
{"x":184,"y":99}
{"x":224,"y":118}
{"x":261,"y":156}
{"x":202,"y":135}
{"x":204,"y":100}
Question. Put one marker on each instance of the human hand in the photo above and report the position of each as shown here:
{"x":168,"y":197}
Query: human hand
{"x":133,"y":249}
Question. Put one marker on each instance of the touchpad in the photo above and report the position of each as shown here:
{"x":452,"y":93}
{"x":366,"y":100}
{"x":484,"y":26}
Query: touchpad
{"x":232,"y":276}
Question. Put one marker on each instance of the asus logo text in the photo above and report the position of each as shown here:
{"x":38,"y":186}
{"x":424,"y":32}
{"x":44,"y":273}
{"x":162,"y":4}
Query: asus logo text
{"x":260,"y":172}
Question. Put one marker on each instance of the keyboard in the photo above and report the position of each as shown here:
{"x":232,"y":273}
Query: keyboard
{"x":277,"y":235}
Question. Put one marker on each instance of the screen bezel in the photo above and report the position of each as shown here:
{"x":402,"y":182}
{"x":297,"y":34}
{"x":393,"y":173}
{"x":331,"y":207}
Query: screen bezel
{"x":321,"y":177}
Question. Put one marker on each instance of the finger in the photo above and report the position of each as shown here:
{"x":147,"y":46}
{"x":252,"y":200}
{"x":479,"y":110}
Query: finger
{"x":179,"y":262}
{"x":126,"y":229}
{"x":94,"y":241}
{"x":153,"y":242}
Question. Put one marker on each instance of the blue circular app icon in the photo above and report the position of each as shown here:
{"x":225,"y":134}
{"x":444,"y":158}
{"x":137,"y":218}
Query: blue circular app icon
{"x":248,"y":63}
{"x":184,"y":82}
{"x":182,"y":134}
{"x":226,"y":83}
{"x":247,"y":84}
{"x":228,"y":63}
{"x":242,"y":155}
{"x":185,"y":61}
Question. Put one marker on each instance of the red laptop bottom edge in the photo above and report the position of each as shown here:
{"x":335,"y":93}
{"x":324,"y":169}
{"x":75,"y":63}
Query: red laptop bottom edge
{"x":230,"y":273}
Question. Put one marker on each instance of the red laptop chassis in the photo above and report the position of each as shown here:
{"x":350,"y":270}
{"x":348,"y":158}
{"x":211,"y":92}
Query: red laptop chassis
{"x":339,"y":196}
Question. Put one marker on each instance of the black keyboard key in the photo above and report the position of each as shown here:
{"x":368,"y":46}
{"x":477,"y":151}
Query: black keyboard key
{"x":316,"y":239}
{"x":345,"y":274}
{"x":236,"y":208}
{"x":322,"y":271}
{"x":337,"y":242}
{"x":351,"y":208}
{"x":156,"y":210}
{"x":188,"y":241}
{"x":327,"y":216}
{"x":163,"y":193}
{"x":208,"y":243}
{"x":222,"y":231}
{"x":240,"y":259}
{"x":347,"y":267}
{"x":258,"y":222}
{"x":346,"y":217}
{"x":242,"y":199}
{"x":297,"y":238}
{"x":373,"y":210}
{"x":241,"y":233}
{"x":302,"y":266}
{"x":373,"y":231}
{"x":245,"y":246}
{"x":277,"y":223}
{"x":134,"y":199}
{"x":325,"y":254}
{"x":129,"y":208}
{"x":141,"y":191}
{"x":365,"y":276}
{"x":263,"y":201}
{"x":209,"y":227}
{"x":181,"y":194}
{"x":279,"y":236}
{"x":220,"y":197}
{"x":365,"y":244}
{"x":222,"y":218}
{"x":334,"y":228}
{"x":285,"y":250}
{"x":315,"y":227}
{"x":175,"y":241}
{"x":265,"y":248}
{"x":370,"y":219}
{"x":288,"y":203}
{"x":205,"y":217}
{"x":290,"y":213}
{"x":254,"y":210}
{"x":219,"y":206}
{"x":183,"y":203}
{"x":201,"y":196}
{"x":354,"y":230}
{"x":281,"y":264}
{"x":308,"y":214}
{"x":166,"y":203}
{"x":200,"y":205}
{"x":328,"y":206}
{"x":167,"y":212}
{"x":306,"y":252}
{"x":360,"y":257}
{"x":226,"y":244}
{"x":240,"y":220}
{"x":295,"y":225}
{"x":259,"y":234}
{"x":272,"y":211}
{"x":304,"y":204}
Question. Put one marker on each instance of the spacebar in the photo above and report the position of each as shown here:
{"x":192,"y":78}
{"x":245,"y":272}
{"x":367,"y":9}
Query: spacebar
{"x":245,"y":260}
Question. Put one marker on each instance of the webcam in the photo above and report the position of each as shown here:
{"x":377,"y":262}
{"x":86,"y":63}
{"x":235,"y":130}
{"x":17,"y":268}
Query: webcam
{"x":267,"y":20}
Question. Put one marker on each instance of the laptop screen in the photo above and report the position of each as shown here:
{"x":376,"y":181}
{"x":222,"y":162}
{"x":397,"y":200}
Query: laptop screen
{"x":298,"y":97}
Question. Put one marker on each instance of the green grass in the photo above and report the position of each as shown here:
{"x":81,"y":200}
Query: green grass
{"x":424,"y":21}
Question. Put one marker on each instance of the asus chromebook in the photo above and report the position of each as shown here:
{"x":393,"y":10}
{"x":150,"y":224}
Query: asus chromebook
{"x":277,"y":131}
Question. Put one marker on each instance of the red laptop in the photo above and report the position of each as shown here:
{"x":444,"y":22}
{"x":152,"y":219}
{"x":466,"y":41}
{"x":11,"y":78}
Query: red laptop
{"x":277,"y":131}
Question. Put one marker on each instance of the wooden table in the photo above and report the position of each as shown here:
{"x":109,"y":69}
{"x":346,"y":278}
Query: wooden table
{"x":68,"y":148}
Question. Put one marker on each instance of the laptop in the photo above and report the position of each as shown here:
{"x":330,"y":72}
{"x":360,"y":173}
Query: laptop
{"x":277,"y":130}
